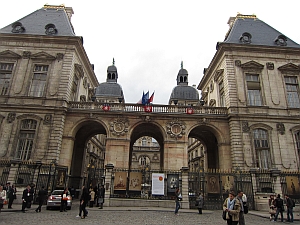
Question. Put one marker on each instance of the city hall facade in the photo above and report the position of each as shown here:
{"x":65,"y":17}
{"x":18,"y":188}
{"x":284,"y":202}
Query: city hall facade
{"x":59,"y":126}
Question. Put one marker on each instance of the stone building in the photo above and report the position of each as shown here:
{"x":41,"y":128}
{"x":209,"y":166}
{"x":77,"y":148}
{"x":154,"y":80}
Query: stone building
{"x":60,"y":127}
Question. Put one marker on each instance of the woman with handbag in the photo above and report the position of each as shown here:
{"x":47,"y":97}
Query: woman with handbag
{"x":2,"y":197}
{"x":64,"y":199}
{"x":231,"y":209}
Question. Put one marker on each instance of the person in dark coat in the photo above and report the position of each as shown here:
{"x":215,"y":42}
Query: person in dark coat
{"x":83,"y":202}
{"x":200,"y":203}
{"x":42,"y":195}
{"x":26,"y":197}
{"x":101,"y":194}
{"x":64,"y":200}
{"x":10,"y":194}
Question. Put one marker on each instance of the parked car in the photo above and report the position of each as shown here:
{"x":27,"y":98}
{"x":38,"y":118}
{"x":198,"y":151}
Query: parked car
{"x":54,"y":199}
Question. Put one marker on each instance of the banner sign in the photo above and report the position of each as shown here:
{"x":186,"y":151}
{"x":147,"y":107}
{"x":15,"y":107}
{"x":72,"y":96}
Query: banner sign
{"x":135,"y":180}
{"x":158,"y":186}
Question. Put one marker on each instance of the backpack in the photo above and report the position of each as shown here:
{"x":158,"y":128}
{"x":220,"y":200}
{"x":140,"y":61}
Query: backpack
{"x":293,"y":203}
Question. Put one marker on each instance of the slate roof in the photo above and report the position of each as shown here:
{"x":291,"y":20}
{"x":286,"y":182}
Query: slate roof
{"x":36,"y":22}
{"x":260,"y":32}
{"x":184,"y":92}
{"x":110,"y":89}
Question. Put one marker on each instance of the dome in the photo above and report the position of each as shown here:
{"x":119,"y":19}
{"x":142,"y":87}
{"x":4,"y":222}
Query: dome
{"x":183,"y":72}
{"x":184,"y":92}
{"x":109,"y":89}
{"x":112,"y":68}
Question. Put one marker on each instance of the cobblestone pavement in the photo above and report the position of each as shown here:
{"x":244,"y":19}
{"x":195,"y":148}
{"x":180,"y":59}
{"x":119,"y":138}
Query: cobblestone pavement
{"x":123,"y":216}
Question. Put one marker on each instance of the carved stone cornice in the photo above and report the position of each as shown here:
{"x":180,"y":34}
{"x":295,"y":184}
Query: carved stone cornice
{"x":270,"y":65}
{"x":280,"y":128}
{"x":289,"y":68}
{"x":79,"y":69}
{"x":9,"y":54}
{"x":218,"y":74}
{"x":245,"y":126}
{"x":42,"y":56}
{"x":252,"y":66}
{"x":26,"y":54}
{"x":11,"y":117}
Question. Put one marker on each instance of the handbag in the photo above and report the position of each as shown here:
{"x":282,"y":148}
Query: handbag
{"x":64,"y":198}
{"x":272,"y":211}
{"x":179,"y":197}
{"x":224,"y":215}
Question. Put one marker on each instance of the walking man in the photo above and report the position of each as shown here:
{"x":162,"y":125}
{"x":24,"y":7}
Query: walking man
{"x":241,"y":216}
{"x":278,"y":203}
{"x":83,"y":201}
{"x":42,"y":194}
{"x":26,"y":197}
{"x":289,"y":206}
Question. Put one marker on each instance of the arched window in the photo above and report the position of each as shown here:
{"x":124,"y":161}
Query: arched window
{"x":262,"y":148}
{"x":26,"y":139}
{"x":113,"y":76}
{"x":109,"y":76}
{"x":181,"y":79}
{"x":144,"y":160}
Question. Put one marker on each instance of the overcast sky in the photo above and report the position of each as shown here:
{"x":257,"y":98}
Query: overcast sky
{"x":149,"y":39}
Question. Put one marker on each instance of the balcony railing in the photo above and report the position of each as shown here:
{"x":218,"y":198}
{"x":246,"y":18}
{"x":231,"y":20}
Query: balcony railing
{"x":120,"y":107}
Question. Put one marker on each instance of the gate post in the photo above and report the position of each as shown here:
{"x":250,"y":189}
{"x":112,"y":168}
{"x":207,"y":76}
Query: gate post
{"x":108,"y":174}
{"x":185,"y":204}
{"x":275,"y":173}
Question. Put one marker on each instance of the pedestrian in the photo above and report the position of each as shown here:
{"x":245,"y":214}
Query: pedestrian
{"x":64,"y":200}
{"x":101,"y":194}
{"x":10,"y":192}
{"x":26,"y":198}
{"x":42,"y":195}
{"x":241,"y":215}
{"x":272,"y":210}
{"x":232,"y":207}
{"x":83,"y":202}
{"x":278,"y":203}
{"x":289,"y":209}
{"x":92,"y":200}
{"x":200,"y":203}
{"x":2,"y":197}
{"x":178,"y":198}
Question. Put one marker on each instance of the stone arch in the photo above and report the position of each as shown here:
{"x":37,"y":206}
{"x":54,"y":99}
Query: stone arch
{"x":211,"y":138}
{"x":79,"y":135}
{"x":150,"y":129}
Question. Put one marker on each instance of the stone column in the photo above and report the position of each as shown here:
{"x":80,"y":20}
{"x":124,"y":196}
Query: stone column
{"x":36,"y":172}
{"x":108,"y":184}
{"x":275,"y":173}
{"x":185,"y":204}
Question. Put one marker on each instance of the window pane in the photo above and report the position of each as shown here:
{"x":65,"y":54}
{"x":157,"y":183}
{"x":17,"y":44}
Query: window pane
{"x":26,"y":139}
{"x":254,"y":97}
{"x":261,"y":144}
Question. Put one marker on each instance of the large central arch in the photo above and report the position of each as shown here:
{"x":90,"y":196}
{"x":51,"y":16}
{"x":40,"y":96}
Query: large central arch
{"x":147,"y":129}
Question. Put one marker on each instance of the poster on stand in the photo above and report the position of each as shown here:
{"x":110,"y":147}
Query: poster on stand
{"x":135,"y":180}
{"x":120,"y":181}
{"x":173,"y":182}
{"x":292,"y":183}
{"x":158,"y":186}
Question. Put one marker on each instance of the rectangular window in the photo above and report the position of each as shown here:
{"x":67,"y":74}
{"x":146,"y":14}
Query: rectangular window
{"x":297,"y":137}
{"x":222,"y":95}
{"x":39,"y":80}
{"x":5,"y":77}
{"x":292,"y":91}
{"x":254,"y":92}
{"x":261,"y":144}
{"x":26,"y":139}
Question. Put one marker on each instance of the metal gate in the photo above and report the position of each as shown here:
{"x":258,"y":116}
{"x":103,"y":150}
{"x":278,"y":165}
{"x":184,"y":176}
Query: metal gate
{"x":215,"y":186}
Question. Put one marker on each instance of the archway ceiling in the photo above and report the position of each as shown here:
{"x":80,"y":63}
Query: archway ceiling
{"x":203,"y":134}
{"x":90,"y":129}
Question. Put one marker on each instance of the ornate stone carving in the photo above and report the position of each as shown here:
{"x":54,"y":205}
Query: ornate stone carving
{"x":17,"y":27}
{"x":26,"y":54}
{"x":238,"y":63}
{"x":270,"y":65}
{"x":11,"y":117}
{"x":59,"y":56}
{"x":47,"y":119}
{"x":245,"y":126}
{"x":203,"y":121}
{"x":119,"y":126}
{"x":175,"y":128}
{"x":280,"y":128}
{"x":146,"y":118}
{"x":50,"y":29}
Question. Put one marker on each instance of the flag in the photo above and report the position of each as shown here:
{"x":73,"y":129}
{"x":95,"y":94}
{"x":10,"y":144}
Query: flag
{"x":105,"y":107}
{"x":151,"y":98}
{"x":145,"y":98}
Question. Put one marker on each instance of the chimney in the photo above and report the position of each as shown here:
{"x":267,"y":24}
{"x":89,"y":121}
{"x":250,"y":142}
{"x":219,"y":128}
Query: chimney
{"x":69,"y":12}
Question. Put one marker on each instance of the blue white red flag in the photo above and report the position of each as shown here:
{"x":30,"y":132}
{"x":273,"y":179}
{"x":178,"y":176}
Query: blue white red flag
{"x":145,"y":98}
{"x":151,"y":98}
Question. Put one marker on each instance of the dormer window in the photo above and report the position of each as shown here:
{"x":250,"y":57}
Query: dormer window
{"x":281,"y":40}
{"x":246,"y":38}
{"x":17,"y":27}
{"x":50,"y":29}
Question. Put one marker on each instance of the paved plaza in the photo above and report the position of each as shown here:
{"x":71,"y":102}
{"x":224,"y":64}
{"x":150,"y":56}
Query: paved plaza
{"x":119,"y":215}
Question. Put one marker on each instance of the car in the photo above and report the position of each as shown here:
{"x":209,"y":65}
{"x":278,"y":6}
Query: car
{"x":54,"y":200}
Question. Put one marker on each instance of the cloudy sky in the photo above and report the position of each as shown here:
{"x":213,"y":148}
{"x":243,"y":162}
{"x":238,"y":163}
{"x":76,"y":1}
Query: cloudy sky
{"x":149,"y":39}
